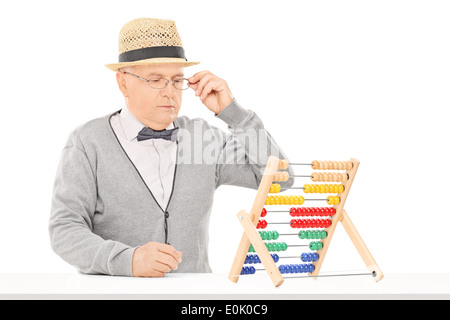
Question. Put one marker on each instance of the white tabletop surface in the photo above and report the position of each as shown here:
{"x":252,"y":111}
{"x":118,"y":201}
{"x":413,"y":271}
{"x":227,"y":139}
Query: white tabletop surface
{"x":217,"y":286}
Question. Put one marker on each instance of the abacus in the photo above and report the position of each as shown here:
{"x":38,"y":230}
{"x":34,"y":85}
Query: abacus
{"x":315,"y":223}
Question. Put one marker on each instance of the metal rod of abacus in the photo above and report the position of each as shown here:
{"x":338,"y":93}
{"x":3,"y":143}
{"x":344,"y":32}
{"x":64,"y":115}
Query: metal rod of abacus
{"x":300,"y":164}
{"x":301,"y":176}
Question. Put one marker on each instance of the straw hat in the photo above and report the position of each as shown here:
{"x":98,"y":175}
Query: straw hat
{"x":146,"y":41}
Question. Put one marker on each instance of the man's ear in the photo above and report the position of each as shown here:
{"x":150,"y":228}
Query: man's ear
{"x":122,"y":83}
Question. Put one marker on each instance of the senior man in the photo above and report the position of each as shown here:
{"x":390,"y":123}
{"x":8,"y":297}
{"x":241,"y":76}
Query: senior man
{"x":134,"y":190}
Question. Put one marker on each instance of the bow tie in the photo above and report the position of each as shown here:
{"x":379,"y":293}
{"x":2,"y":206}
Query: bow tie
{"x":147,"y":133}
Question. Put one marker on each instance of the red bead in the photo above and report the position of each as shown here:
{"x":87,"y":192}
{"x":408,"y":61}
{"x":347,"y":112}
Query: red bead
{"x":314,"y":211}
{"x":301,"y":223}
{"x":263,"y":212}
{"x":307,"y":211}
{"x":327,"y":223}
{"x":302,"y":211}
{"x":263,"y":224}
{"x":322,"y":212}
{"x":332,"y":211}
{"x":292,"y":212}
{"x":321,"y":223}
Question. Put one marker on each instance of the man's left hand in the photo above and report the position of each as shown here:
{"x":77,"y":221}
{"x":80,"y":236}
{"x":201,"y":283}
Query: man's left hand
{"x":212,"y":90}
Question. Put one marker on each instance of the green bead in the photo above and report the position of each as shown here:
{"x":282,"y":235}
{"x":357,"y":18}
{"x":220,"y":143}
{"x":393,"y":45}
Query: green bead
{"x":275,"y":235}
{"x":302,"y":234}
{"x":319,"y":245}
{"x":251,"y":249}
{"x":283,"y":246}
{"x":278,"y":246}
{"x":269,"y":235}
{"x":323,"y":234}
{"x":313,"y":245}
{"x":316,"y":234}
{"x":308,"y":234}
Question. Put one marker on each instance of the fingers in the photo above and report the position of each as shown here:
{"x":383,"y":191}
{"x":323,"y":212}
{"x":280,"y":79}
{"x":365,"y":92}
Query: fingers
{"x":155,"y":260}
{"x":204,"y":83}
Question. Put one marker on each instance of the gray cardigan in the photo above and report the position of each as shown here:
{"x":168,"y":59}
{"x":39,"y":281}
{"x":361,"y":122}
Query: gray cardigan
{"x":102,"y":210}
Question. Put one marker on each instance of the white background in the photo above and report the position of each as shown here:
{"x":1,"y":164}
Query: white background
{"x":330,"y":79}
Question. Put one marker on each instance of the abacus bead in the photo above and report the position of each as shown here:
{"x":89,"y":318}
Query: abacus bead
{"x":296,"y":268}
{"x":302,"y":234}
{"x":323,"y":234}
{"x":263,"y":224}
{"x":301,"y":268}
{"x":293,"y":223}
{"x":283,"y":246}
{"x":263,"y":212}
{"x":252,"y":270}
{"x":319,"y":245}
{"x":282,"y":269}
{"x":292,"y":212}
{"x":279,"y":246}
{"x":247,"y":259}
{"x":313,"y":246}
{"x":302,"y":200}
{"x":330,"y":200}
{"x":275,"y":235}
{"x":275,"y":257}
{"x":311,"y":268}
{"x":304,"y":257}
{"x":269,"y":235}
{"x":315,"y":256}
{"x":306,"y":188}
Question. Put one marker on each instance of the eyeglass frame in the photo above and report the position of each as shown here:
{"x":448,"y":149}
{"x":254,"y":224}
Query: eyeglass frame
{"x":167,"y":81}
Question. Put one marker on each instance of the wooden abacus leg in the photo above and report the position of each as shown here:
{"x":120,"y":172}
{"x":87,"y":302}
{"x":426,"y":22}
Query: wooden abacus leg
{"x":260,"y":248}
{"x":272,"y":166}
{"x":361,"y":246}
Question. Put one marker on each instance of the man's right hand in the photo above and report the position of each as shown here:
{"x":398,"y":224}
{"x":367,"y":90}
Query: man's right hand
{"x":155,"y":259}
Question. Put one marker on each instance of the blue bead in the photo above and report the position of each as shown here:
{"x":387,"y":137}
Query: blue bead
{"x":304,"y":256}
{"x":282,"y":269}
{"x":301,"y":268}
{"x":252,"y":270}
{"x":315,"y":257}
{"x":258,"y":260}
{"x":291,"y":268}
{"x":311,"y":268}
{"x":296,"y":268}
{"x":275,"y":257}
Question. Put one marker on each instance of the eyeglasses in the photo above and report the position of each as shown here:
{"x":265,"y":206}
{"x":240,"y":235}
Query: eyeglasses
{"x":161,"y":83}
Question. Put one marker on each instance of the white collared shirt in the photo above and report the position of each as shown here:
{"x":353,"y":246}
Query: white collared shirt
{"x":154,"y":158}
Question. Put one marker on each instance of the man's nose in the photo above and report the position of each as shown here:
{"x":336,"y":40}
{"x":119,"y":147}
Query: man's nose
{"x":169,"y":90}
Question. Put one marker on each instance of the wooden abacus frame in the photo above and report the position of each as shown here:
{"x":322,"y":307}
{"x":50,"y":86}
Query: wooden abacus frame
{"x":251,"y":236}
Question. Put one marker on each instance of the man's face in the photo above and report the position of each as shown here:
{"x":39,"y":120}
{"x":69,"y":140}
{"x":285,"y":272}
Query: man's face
{"x":156,"y":108}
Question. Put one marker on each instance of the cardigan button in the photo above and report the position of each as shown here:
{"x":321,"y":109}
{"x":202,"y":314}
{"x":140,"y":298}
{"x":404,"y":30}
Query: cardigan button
{"x":167,"y":214}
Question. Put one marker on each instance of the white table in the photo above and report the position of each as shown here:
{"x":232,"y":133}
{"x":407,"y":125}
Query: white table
{"x":217,"y":286}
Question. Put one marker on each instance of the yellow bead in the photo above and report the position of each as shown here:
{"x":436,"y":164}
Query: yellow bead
{"x":321,"y":189}
{"x":275,"y":200}
{"x":295,"y":200}
{"x":330,"y":200}
{"x":301,"y":200}
{"x":306,"y":188}
{"x":341,"y":188}
{"x":337,"y":200}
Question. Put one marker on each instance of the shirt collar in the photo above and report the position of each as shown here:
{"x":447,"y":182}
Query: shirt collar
{"x":131,"y":125}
